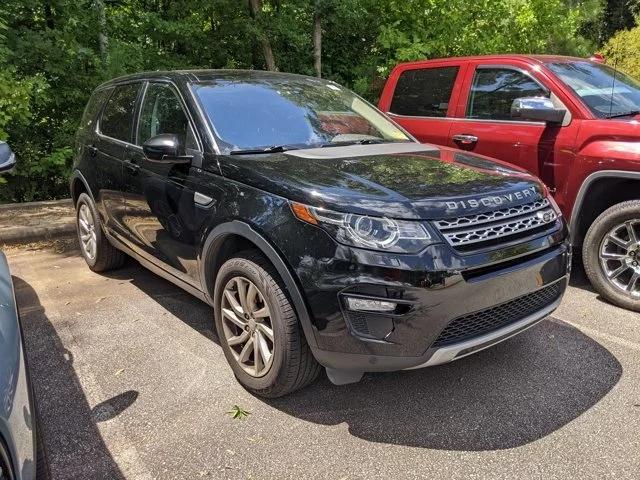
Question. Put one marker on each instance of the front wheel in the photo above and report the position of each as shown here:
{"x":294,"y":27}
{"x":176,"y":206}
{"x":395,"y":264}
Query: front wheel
{"x":611,"y":254}
{"x":258,"y":329}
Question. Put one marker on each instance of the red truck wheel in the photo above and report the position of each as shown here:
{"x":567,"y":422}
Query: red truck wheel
{"x":611,"y":254}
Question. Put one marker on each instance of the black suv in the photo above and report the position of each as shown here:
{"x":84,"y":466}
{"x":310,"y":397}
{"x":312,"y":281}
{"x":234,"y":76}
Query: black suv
{"x":319,"y":230}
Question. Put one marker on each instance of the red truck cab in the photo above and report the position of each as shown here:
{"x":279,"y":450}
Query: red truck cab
{"x":573,"y":122}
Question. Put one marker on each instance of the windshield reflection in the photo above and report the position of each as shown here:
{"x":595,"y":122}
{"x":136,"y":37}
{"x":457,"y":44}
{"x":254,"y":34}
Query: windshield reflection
{"x":297,"y":112}
{"x":606,"y":92}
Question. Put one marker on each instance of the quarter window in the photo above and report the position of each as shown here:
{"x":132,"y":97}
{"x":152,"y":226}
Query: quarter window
{"x":494,"y":90}
{"x":117,"y":117}
{"x":425,"y":92}
{"x":162,"y":113}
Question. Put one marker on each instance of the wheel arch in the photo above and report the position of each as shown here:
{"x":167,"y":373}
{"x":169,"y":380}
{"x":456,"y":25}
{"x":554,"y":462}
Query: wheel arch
{"x":78,"y":185}
{"x":230,"y":237}
{"x":590,"y":202}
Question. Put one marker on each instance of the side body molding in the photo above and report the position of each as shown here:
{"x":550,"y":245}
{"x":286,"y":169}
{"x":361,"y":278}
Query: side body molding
{"x":584,"y":188}
{"x":235,"y":227}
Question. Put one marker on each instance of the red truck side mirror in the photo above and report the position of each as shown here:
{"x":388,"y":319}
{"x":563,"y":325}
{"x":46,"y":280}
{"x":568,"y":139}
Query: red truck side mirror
{"x":536,"y":109}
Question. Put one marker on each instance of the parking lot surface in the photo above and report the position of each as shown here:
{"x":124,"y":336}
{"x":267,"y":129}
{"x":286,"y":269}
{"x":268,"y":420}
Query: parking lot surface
{"x":131,"y":383}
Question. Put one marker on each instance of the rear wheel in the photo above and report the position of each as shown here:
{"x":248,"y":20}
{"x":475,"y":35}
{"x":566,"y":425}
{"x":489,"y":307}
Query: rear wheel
{"x":99,"y":254}
{"x":258,"y":328}
{"x":611,"y":254}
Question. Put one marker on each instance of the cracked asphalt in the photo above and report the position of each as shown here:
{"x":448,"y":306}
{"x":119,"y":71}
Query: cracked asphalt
{"x":131,"y":383}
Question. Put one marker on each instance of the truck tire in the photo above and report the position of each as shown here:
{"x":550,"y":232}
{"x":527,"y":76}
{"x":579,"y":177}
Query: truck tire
{"x":611,"y":254}
{"x":252,"y":309}
{"x":99,"y":254}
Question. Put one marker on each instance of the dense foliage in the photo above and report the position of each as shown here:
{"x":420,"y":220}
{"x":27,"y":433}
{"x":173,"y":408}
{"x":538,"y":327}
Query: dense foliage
{"x":54,"y":52}
{"x":622,"y":50}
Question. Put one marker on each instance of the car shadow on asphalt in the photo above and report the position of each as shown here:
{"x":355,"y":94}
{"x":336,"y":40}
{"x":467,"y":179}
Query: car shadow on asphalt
{"x":579,"y":277}
{"x":74,"y":446}
{"x":504,"y":397}
{"x":179,"y":303}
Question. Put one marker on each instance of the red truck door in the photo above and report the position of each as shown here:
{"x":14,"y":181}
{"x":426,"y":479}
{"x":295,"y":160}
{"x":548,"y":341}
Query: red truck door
{"x":423,"y":99}
{"x":483,"y":122}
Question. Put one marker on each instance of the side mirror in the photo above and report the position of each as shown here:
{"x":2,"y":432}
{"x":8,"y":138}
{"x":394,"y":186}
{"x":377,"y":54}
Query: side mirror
{"x":536,"y":109}
{"x":7,"y":158}
{"x":165,"y":148}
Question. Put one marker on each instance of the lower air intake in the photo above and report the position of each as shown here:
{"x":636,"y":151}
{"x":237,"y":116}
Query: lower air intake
{"x":491,"y":319}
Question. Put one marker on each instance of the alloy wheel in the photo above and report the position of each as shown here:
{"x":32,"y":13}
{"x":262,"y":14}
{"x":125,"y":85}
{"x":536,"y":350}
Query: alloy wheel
{"x":87,"y":231}
{"x":620,"y":257}
{"x":247,"y":326}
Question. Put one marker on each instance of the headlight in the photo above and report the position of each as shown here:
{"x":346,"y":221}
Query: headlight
{"x":376,"y":233}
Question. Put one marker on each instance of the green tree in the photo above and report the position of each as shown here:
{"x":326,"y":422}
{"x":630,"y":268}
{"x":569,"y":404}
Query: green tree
{"x":53,"y":53}
{"x":621,"y":51}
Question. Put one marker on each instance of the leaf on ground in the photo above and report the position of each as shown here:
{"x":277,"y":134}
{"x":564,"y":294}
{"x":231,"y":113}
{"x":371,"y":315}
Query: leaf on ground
{"x":119,"y":371}
{"x":238,"y":413}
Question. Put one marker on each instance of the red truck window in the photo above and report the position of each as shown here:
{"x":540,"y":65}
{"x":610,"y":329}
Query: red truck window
{"x":494,"y":89}
{"x":424,"y":92}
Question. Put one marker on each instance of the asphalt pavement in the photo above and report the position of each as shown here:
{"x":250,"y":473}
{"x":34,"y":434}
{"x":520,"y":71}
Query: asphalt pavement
{"x":131,"y":383}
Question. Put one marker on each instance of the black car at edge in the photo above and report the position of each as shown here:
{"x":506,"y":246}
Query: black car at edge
{"x":321,"y":232}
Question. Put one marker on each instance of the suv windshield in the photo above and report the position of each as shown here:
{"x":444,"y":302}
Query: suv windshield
{"x":278,"y":114}
{"x":606,"y":92}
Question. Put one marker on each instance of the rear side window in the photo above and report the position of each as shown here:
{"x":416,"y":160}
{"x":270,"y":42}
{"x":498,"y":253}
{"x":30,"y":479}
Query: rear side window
{"x":494,"y":90}
{"x":425,"y":92}
{"x":93,"y":107}
{"x":117,"y":117}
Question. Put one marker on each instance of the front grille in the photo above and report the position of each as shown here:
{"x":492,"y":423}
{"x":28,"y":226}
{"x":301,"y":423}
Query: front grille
{"x":494,"y":318}
{"x":481,"y":230}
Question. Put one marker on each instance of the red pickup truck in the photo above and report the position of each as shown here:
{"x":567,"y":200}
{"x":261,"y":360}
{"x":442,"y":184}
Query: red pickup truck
{"x":571,"y":121}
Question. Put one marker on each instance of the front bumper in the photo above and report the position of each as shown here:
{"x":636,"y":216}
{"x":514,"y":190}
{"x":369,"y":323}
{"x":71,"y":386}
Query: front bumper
{"x":432,"y":290}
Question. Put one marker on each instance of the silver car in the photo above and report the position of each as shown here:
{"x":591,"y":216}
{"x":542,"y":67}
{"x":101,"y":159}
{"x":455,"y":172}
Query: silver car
{"x":19,"y":459}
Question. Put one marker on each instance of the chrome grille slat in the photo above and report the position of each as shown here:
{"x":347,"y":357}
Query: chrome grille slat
{"x":481,"y":218}
{"x":476,"y":229}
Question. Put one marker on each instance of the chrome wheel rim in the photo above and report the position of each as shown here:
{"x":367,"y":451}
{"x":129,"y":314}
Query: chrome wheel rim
{"x":87,"y":231}
{"x":620,"y":257}
{"x":247,"y":326}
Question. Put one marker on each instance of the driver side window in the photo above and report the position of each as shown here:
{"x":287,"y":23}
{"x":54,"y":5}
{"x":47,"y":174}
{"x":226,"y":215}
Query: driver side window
{"x":494,"y":90}
{"x":162,"y":112}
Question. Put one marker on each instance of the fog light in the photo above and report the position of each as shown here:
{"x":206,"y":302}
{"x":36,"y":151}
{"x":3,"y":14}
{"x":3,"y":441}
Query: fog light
{"x":370,"y":305}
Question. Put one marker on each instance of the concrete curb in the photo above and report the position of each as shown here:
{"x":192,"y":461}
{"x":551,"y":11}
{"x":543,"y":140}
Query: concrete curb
{"x":50,"y":227}
{"x":34,"y":234}
{"x":65,"y":202}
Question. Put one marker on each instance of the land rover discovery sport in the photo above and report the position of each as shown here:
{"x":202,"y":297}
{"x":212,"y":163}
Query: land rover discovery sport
{"x":320,"y":231}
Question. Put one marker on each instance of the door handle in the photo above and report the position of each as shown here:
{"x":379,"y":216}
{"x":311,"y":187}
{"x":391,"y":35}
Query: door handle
{"x":465,"y":139}
{"x":133,"y":167}
{"x":93,"y":150}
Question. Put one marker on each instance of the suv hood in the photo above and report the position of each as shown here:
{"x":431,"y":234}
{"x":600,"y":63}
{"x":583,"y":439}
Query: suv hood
{"x":404,"y":181}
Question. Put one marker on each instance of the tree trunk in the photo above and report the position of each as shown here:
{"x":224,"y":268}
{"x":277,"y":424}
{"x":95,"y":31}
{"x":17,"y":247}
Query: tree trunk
{"x":48,"y":15}
{"x":317,"y":43}
{"x":103,"y":40}
{"x":255,"y":7}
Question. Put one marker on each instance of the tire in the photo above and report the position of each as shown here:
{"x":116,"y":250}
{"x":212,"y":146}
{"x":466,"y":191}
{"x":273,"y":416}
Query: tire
{"x":597,"y":243}
{"x":292,"y":365}
{"x":103,"y":256}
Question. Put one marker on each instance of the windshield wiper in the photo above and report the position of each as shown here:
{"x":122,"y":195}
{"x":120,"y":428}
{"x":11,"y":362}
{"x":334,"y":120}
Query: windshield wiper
{"x":623,"y":114}
{"x":271,"y":149}
{"x":364,"y":141}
